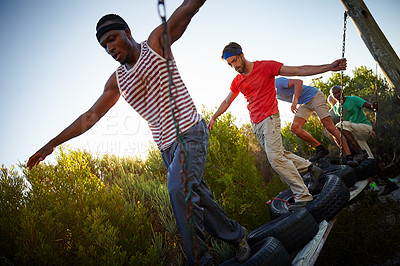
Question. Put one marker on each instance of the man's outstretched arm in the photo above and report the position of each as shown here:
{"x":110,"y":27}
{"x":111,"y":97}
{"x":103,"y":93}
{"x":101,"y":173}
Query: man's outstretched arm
{"x":177,"y":24}
{"x":308,"y":70}
{"x":181,"y":18}
{"x":222,"y":108}
{"x":82,"y":123}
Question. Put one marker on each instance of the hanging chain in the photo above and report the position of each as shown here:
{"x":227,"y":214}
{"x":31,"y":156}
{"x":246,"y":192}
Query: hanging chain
{"x":344,"y":33}
{"x":375,"y":111}
{"x":341,"y":86}
{"x":183,"y":154}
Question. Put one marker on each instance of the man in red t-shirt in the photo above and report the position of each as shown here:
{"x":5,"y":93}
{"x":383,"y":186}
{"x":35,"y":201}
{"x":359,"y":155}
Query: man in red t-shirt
{"x":256,"y":81}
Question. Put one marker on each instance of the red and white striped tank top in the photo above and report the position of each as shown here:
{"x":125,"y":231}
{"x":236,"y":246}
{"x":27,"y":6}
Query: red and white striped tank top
{"x":145,"y":88}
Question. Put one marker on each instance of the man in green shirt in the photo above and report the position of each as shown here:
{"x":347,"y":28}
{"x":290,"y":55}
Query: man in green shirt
{"x":356,"y":127}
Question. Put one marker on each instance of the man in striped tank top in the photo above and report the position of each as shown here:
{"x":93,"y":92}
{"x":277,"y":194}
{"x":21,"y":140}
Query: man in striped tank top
{"x":143,"y":81}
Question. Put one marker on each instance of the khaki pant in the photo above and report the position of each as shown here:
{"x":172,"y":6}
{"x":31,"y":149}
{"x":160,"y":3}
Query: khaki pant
{"x":361,"y":132}
{"x":286,"y":164}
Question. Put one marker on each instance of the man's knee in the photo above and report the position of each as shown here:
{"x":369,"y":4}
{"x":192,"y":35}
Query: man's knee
{"x":295,"y":128}
{"x":276,"y":160}
{"x":328,"y":124}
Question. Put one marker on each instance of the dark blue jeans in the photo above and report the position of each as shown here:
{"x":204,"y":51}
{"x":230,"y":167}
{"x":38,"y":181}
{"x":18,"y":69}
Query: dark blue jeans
{"x":207,"y":214}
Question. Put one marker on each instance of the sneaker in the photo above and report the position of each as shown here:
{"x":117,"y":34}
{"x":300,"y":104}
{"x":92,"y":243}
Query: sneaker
{"x":318,"y":155}
{"x":299,"y":204}
{"x":360,"y":156}
{"x":315,"y":174}
{"x":389,"y":188}
{"x":373,"y":186}
{"x":350,"y":161}
{"x":243,"y":248}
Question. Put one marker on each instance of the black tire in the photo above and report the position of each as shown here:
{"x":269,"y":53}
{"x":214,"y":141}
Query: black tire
{"x":293,"y":230}
{"x":329,"y":198}
{"x":327,"y":163}
{"x":346,"y":173}
{"x":330,"y":168}
{"x":269,"y":251}
{"x":279,"y":205}
{"x":366,"y":169}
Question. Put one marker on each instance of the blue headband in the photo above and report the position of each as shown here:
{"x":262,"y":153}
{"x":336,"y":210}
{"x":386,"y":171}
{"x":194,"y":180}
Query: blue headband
{"x":228,"y":54}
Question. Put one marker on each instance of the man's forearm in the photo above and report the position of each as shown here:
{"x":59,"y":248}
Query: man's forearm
{"x":222,"y":108}
{"x":78,"y":127}
{"x":309,"y":70}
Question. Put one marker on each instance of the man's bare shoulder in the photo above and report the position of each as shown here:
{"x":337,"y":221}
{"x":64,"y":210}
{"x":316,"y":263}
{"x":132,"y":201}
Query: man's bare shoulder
{"x":155,"y":40}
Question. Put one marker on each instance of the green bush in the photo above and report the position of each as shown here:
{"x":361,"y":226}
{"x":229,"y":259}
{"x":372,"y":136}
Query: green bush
{"x":68,"y":216}
{"x":231,"y":172}
{"x":12,"y":201}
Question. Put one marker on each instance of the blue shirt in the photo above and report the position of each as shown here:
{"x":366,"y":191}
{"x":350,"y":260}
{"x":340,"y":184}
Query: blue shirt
{"x":284,"y":93}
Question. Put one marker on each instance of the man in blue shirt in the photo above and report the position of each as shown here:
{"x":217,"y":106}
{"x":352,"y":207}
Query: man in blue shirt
{"x":306,"y":100}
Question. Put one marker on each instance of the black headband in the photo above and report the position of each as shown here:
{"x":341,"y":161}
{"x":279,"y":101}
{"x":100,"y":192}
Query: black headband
{"x":114,"y":26}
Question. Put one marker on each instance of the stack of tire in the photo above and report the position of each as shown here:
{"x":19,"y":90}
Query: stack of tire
{"x":367,"y":168}
{"x":329,"y":198}
{"x":288,"y":232}
{"x":272,"y":243}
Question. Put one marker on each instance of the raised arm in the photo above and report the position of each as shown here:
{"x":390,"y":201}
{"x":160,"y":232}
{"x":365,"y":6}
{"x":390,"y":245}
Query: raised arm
{"x":177,"y":24}
{"x":82,"y":123}
{"x":298,"y":87}
{"x":222,"y":108}
{"x":181,"y":18}
{"x":309,"y":70}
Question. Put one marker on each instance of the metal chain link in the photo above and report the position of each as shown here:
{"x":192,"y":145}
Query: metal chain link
{"x":188,"y":201}
{"x":341,"y":85}
{"x":183,"y":154}
{"x":344,"y":33}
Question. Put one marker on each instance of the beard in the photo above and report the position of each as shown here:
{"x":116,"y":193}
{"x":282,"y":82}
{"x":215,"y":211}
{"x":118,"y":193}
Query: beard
{"x":241,"y":69}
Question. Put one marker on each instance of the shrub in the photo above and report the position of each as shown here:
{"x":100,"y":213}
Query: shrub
{"x":12,"y":200}
{"x":69,"y":216}
{"x":238,"y":186}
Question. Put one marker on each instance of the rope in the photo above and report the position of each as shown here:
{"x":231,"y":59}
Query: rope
{"x":287,"y":202}
{"x":341,"y":85}
{"x":183,"y":154}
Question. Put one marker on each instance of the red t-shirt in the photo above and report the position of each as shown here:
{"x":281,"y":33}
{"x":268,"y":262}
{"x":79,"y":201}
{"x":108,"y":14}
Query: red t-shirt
{"x":259,"y":89}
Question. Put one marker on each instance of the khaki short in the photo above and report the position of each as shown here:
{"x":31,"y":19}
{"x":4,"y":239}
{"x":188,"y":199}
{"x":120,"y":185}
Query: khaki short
{"x":317,"y":104}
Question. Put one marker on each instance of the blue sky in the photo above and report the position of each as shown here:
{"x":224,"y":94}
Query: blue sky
{"x":52,"y":68}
